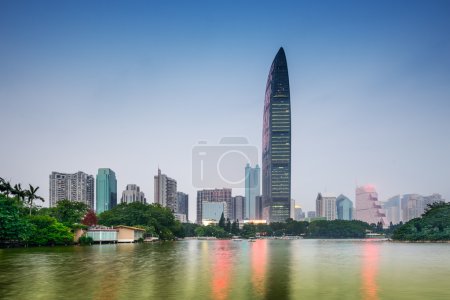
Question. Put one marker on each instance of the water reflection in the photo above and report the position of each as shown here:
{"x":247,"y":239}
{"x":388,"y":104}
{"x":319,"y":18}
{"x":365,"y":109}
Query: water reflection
{"x":259,"y":263}
{"x":265,"y":269}
{"x":221,"y":272}
{"x":370,"y":270}
{"x":278,"y":273}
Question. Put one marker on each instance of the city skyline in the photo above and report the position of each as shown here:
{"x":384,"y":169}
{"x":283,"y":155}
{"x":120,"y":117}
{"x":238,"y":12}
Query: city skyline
{"x":369,"y":86}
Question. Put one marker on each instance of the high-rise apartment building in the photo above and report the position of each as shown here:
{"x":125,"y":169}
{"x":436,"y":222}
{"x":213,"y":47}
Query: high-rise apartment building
{"x":402,"y":208}
{"x":368,"y":208}
{"x":74,"y":187}
{"x":106,"y":190}
{"x":165,"y":192}
{"x":432,"y":199}
{"x":326,"y":206}
{"x":132,"y":193}
{"x":216,"y":195}
{"x":413,"y":206}
{"x":393,"y":209}
{"x":276,"y":142}
{"x":183,"y":204}
{"x":344,"y":208}
{"x":252,"y":190}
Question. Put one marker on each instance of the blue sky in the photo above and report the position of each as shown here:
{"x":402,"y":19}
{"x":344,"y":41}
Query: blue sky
{"x":133,"y":85}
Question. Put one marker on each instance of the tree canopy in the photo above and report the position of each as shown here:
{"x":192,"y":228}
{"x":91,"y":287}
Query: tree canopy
{"x":434,"y":225}
{"x":160,"y":219}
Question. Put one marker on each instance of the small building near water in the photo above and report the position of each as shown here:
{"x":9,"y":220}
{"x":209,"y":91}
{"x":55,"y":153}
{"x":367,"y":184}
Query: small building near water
{"x":117,"y":234}
{"x":128,"y":234}
{"x":103,"y":235}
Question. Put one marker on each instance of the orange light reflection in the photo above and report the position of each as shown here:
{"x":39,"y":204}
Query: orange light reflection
{"x":370,"y":270}
{"x":259,"y":261}
{"x":222,"y":266}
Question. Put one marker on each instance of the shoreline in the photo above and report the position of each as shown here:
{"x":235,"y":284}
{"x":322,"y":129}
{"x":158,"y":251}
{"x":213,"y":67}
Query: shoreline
{"x":17,"y":246}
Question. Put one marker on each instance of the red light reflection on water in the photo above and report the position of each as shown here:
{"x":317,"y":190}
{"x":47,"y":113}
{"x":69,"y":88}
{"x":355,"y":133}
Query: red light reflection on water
{"x":370,"y":270}
{"x":259,"y":262}
{"x":222,"y":267}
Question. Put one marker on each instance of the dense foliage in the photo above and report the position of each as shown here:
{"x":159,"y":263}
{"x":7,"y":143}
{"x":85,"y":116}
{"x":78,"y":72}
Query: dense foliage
{"x":17,"y":227}
{"x":47,"y":230}
{"x":315,"y":229}
{"x":434,"y":225}
{"x":14,"y":227}
{"x":85,"y":240}
{"x":337,"y":229}
{"x":157,"y":220}
{"x":69,"y":212}
{"x":212,"y":231}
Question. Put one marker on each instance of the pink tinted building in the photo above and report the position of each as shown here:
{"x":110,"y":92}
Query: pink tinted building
{"x":368,"y":208}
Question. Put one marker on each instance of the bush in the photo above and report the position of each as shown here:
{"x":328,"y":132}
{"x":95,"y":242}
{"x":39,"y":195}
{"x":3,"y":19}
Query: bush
{"x":47,"y":231}
{"x":86,"y":240}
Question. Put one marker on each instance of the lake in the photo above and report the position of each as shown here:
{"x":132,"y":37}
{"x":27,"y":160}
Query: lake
{"x":225,"y":269}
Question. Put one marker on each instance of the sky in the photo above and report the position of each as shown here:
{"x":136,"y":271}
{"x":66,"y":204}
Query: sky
{"x":133,"y":85}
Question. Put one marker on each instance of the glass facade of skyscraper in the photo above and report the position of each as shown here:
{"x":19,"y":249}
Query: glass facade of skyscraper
{"x":344,"y":208}
{"x":276,"y":147}
{"x":252,"y":190}
{"x":106,"y":190}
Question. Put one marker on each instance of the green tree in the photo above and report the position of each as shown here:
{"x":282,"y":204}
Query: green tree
{"x":228,"y":226}
{"x":212,"y":231}
{"x":13,"y":228}
{"x":338,"y":229}
{"x":248,"y":230}
{"x":153,"y":215}
{"x":47,"y":231}
{"x":235,"y":228}
{"x":31,"y":196}
{"x":189,"y":229}
{"x":222,"y":221}
{"x":19,"y":192}
{"x":434,"y":225}
{"x":5,"y":187}
{"x":69,"y":212}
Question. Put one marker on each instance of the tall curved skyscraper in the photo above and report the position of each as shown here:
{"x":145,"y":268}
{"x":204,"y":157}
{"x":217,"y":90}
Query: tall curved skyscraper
{"x":276,"y":143}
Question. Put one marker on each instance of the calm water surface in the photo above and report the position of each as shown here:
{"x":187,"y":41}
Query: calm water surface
{"x":266,"y":269}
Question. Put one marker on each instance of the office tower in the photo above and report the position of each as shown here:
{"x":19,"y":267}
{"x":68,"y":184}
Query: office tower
{"x":299,"y":214}
{"x":183,"y":204}
{"x":393,"y":210}
{"x":326,"y":206}
{"x":368,"y":208}
{"x":259,"y":207}
{"x":252,"y":190}
{"x":106,"y":190}
{"x":292,"y":209}
{"x":212,"y":211}
{"x":74,"y":187}
{"x":238,"y":210}
{"x":132,"y":193}
{"x":311,"y":214}
{"x":413,"y":206}
{"x":276,"y":142}
{"x":344,"y":208}
{"x":165,"y":191}
{"x":216,"y":195}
